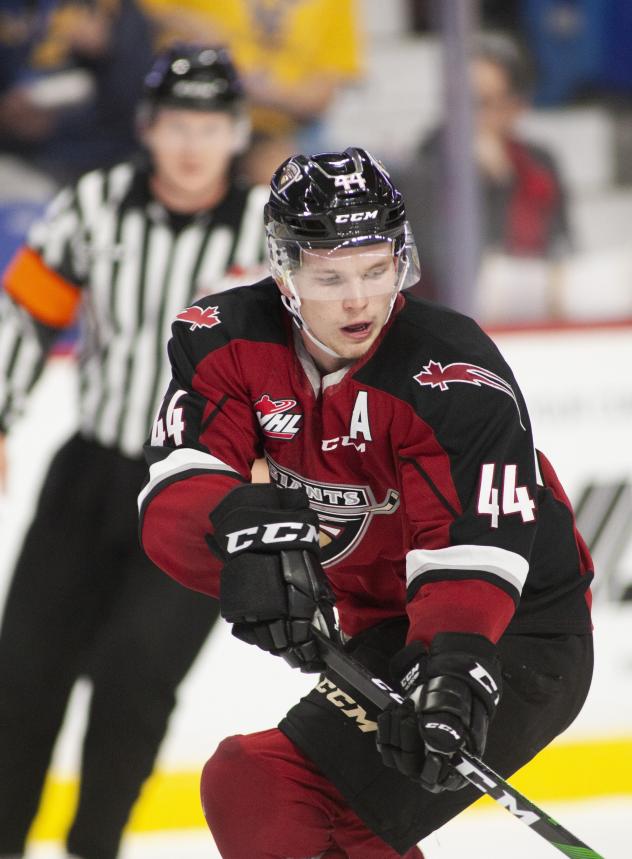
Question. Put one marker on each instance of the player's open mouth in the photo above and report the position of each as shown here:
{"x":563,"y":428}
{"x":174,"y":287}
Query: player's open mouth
{"x":358,"y":331}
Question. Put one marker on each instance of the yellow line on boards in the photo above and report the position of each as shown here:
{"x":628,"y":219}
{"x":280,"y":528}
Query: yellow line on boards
{"x":171,"y":800}
{"x":580,"y":770}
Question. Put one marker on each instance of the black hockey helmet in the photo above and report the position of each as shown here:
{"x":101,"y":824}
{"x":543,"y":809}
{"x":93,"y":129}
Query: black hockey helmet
{"x":333,"y":200}
{"x":195,"y":77}
{"x":333,"y":197}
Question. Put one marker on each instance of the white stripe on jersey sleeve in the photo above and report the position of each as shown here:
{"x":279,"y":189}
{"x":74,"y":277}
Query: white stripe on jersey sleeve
{"x":59,"y":236}
{"x":119,"y":179}
{"x":124,"y":304}
{"x":90,"y":197}
{"x":150,"y":356}
{"x":214,"y":261}
{"x":20,"y":358}
{"x":509,"y":566}
{"x":25,"y":370}
{"x":178,"y":462}
{"x":186,"y":250}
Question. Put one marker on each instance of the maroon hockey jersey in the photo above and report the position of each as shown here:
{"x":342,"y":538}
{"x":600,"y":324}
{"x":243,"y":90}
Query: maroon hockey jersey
{"x":418,"y":458}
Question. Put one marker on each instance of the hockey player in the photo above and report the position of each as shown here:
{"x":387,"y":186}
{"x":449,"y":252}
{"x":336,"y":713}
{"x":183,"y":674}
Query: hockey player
{"x":402,"y":461}
{"x":124,"y":248}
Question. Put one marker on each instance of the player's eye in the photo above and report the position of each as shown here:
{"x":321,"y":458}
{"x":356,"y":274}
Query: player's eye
{"x":377,"y":271}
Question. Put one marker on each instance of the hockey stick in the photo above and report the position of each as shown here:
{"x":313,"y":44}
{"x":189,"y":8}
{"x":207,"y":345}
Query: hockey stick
{"x":471,"y":767}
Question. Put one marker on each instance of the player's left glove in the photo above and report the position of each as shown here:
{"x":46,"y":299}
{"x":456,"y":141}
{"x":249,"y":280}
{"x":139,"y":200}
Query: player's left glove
{"x":272,"y":586}
{"x":452,"y":693}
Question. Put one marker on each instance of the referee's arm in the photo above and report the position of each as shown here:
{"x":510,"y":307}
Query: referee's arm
{"x":42,"y":295}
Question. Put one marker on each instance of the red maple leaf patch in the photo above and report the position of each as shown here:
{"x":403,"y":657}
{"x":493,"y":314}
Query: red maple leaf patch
{"x":199,"y":317}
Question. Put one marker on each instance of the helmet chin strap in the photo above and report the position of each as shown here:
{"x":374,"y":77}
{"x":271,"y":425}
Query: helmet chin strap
{"x":292,"y":305}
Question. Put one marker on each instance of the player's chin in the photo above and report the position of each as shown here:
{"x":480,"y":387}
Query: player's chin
{"x":353,"y":351}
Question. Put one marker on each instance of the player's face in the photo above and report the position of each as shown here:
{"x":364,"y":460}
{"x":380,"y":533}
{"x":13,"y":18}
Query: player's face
{"x":191,"y":150}
{"x":345,"y":296}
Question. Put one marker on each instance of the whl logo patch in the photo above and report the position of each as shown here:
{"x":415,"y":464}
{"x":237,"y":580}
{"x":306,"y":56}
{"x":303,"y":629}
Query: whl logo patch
{"x":199,"y":317}
{"x":436,"y":375}
{"x":276,"y":418}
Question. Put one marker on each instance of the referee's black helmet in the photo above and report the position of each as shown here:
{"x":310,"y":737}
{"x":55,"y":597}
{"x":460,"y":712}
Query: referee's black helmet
{"x":193,"y":77}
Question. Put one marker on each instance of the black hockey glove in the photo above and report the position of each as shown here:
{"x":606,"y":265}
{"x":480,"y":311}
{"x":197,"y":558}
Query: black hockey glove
{"x":272,"y":585}
{"x":452,"y":693}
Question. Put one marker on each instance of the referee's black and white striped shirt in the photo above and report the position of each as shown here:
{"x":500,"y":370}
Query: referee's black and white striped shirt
{"x":109,"y":251}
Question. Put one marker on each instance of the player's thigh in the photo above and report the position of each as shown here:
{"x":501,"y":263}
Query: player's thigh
{"x":263,"y":798}
{"x":357,"y":841}
{"x":545,"y":683}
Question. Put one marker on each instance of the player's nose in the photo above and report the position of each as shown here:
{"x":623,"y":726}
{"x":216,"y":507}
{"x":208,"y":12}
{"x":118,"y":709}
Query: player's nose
{"x":355,"y":295}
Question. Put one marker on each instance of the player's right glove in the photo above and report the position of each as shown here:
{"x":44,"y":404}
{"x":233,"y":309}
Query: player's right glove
{"x":452,"y":693}
{"x":272,"y":586}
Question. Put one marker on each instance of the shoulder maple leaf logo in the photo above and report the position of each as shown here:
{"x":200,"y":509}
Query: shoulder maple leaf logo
{"x":199,"y":317}
{"x":437,"y":375}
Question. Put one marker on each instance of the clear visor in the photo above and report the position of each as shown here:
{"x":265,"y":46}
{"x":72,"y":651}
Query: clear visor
{"x":355,"y":269}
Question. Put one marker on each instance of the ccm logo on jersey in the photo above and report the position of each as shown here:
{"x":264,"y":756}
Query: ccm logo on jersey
{"x":274,"y":532}
{"x":354,"y":217}
{"x":276,"y":419}
{"x":199,"y":317}
{"x":436,"y":375}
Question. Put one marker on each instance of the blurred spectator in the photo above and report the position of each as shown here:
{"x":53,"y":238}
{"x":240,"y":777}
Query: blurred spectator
{"x":524,"y":211}
{"x":67,"y":101}
{"x":293,"y":58}
{"x":126,"y":248}
{"x":21,"y":24}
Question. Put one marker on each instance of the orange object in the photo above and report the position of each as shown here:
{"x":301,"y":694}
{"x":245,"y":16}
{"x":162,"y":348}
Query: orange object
{"x":39,"y":290}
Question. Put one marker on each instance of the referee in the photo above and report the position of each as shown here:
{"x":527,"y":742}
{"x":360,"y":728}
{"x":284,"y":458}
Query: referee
{"x":124,"y":249}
